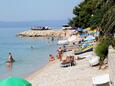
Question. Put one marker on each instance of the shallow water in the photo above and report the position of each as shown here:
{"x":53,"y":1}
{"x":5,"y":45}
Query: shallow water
{"x":29,"y":53}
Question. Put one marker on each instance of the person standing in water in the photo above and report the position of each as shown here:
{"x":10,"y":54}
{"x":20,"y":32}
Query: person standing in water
{"x":10,"y":62}
{"x":10,"y":58}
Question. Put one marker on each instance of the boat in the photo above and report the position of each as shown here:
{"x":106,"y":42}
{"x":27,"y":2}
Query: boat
{"x":66,"y":27}
{"x":40,"y":28}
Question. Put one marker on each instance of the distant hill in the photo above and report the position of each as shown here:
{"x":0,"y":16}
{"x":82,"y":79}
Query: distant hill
{"x":50,"y":23}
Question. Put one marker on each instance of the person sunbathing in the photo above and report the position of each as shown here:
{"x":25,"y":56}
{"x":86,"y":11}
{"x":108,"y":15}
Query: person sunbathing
{"x":70,"y":61}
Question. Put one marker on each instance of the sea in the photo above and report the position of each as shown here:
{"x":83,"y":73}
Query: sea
{"x":30,"y":54}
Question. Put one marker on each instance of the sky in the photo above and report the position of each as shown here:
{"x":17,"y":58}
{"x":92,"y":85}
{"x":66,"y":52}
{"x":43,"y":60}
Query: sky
{"x":34,"y":10}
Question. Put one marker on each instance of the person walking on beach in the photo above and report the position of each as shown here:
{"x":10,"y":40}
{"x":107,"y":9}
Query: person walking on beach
{"x":10,"y":62}
{"x":64,"y":48}
{"x":59,"y":53}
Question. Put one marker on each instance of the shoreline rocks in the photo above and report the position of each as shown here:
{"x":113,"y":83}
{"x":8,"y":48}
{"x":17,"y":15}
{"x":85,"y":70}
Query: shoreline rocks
{"x":45,"y":33}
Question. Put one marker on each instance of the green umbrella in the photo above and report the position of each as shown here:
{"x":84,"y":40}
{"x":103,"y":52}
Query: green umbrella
{"x":14,"y":81}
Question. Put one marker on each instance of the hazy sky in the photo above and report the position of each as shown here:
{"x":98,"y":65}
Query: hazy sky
{"x":34,"y":10}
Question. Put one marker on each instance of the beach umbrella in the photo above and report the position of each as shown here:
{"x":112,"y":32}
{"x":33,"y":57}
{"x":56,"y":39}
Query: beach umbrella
{"x":72,"y":38}
{"x":14,"y":81}
{"x":73,"y":31}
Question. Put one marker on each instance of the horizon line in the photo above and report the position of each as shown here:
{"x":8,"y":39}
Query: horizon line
{"x":32,"y":21}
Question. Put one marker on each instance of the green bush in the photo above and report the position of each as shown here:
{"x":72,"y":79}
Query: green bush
{"x":101,"y":49}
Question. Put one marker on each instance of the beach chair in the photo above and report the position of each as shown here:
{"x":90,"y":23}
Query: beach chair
{"x":70,"y":61}
{"x":65,"y":64}
{"x":102,"y":80}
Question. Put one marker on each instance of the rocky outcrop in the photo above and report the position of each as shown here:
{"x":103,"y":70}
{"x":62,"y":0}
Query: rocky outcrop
{"x":45,"y":33}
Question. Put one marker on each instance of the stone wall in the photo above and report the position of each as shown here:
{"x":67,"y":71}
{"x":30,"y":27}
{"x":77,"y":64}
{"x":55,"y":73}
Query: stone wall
{"x":111,"y":62}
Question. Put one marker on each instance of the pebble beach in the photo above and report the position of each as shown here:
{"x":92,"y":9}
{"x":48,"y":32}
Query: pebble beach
{"x":54,"y":75}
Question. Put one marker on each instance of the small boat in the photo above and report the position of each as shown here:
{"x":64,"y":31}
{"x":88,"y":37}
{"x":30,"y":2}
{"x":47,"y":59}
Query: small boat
{"x":40,"y":28}
{"x":66,"y":27}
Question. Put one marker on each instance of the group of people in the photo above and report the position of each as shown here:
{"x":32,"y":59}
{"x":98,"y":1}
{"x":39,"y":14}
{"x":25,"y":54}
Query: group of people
{"x":59,"y":54}
{"x":69,"y":61}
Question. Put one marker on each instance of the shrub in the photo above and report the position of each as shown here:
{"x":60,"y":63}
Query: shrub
{"x":101,"y":49}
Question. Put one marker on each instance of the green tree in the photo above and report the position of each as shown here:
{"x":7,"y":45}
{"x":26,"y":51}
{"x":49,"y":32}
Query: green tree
{"x":98,"y":13}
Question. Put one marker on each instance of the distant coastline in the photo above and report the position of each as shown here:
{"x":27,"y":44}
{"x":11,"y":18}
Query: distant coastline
{"x":28,"y":24}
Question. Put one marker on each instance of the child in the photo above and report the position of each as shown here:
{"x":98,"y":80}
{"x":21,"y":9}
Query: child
{"x":51,"y":58}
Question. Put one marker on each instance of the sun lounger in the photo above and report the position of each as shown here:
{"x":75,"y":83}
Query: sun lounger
{"x":102,"y":80}
{"x":68,"y":62}
{"x":65,"y":64}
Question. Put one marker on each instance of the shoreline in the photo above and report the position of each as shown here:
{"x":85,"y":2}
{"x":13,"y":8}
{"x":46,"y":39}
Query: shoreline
{"x":53,"y":75}
{"x":38,"y":71}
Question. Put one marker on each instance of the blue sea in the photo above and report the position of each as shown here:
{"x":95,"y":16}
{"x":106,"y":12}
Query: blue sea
{"x":27,"y":59}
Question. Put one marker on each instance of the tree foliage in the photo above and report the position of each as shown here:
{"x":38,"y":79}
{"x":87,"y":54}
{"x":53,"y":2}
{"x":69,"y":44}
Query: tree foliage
{"x":99,"y":13}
